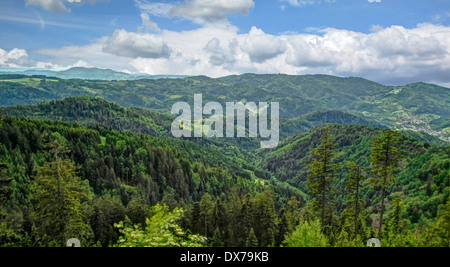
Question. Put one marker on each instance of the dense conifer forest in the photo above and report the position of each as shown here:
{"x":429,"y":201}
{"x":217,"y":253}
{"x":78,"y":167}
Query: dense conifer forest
{"x":74,"y":165}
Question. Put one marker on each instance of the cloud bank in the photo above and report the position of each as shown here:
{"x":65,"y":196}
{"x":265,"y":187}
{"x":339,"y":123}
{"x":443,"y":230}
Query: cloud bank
{"x":392,"y":55}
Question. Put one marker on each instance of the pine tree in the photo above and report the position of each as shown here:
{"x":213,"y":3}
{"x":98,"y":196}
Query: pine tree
{"x":394,"y":228}
{"x":264,"y":218}
{"x":353,"y":185}
{"x":218,"y":215}
{"x":293,"y":212}
{"x":283,"y":228}
{"x":245,"y":219}
{"x":58,"y":213}
{"x":234,"y":219}
{"x":216,"y":240}
{"x":344,"y":236}
{"x":206,"y":208}
{"x":321,"y":175}
{"x":251,"y":241}
{"x":385,"y":155}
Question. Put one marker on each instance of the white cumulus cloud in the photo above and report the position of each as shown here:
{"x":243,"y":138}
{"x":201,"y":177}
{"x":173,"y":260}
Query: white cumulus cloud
{"x":211,"y":10}
{"x":128,"y":44}
{"x":58,"y":6}
{"x":261,"y":46}
{"x":14,"y":58}
{"x":391,"y":55}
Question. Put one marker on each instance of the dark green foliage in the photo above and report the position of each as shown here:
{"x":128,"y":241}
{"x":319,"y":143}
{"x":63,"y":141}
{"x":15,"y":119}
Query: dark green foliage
{"x":384,"y":157}
{"x":441,"y":123}
{"x":354,"y":185}
{"x":89,"y":111}
{"x":139,"y":170}
{"x":126,"y":163}
{"x":370,"y":103}
{"x":321,"y":174}
{"x":107,"y":210}
{"x":307,"y":122}
{"x":422,"y":177}
{"x":252,"y":240}
{"x":283,"y":228}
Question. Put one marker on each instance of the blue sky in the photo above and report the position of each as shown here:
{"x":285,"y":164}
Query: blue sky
{"x":389,"y":41}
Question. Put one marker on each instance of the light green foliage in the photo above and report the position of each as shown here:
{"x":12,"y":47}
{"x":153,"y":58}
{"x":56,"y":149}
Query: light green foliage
{"x":307,"y":234}
{"x":161,"y":230}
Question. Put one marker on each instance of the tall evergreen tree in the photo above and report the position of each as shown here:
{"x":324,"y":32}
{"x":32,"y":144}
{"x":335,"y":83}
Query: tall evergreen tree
{"x":217,"y":239}
{"x":321,"y":173}
{"x":293,"y":213}
{"x":353,"y":185}
{"x":283,"y":228}
{"x":234,"y":219}
{"x":218,"y":216}
{"x":264,"y":218}
{"x":58,"y":193}
{"x":396,"y":217}
{"x":206,"y":208}
{"x":384,"y":156}
{"x":246,"y":219}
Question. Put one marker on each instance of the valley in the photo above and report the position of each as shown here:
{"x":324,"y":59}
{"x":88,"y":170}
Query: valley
{"x":124,"y":168}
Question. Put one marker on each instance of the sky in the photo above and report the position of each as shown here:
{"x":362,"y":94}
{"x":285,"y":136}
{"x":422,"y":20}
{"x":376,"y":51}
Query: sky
{"x":393,"y":42}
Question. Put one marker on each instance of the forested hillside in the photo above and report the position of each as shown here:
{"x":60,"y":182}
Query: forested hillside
{"x":111,"y":174}
{"x":90,"y":111}
{"x":120,"y":166}
{"x":422,"y":179}
{"x":123,"y":175}
{"x":410,"y":107}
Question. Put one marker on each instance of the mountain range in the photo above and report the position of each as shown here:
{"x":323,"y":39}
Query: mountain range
{"x":85,"y":74}
{"x":417,"y":107}
{"x":118,"y":135}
